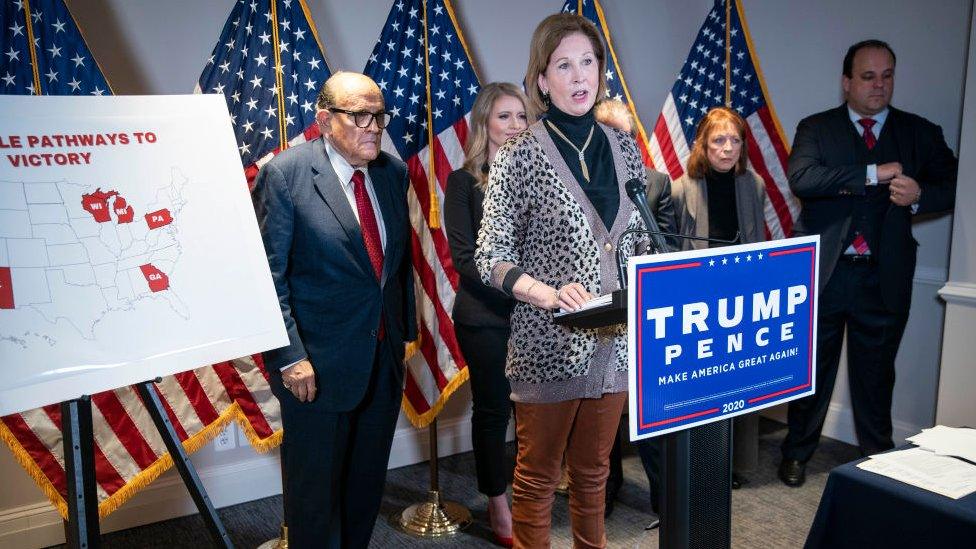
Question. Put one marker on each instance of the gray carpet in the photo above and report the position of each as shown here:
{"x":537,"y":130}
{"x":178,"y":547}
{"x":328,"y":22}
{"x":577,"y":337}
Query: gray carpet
{"x":766,"y":513}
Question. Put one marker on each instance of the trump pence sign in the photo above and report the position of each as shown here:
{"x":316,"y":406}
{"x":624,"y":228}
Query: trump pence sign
{"x":720,"y":332}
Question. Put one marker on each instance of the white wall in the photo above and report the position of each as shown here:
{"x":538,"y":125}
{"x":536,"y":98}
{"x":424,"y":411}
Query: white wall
{"x":154,"y":47}
{"x":956,"y":405}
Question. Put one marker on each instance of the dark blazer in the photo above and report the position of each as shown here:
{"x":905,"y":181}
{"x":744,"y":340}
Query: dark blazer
{"x":691,"y":206}
{"x":823,"y":173}
{"x":329,"y":295}
{"x":476,"y":304}
{"x":658,"y":188}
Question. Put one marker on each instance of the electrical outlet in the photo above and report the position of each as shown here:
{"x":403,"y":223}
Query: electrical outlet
{"x":226,"y":439}
{"x":242,"y":440}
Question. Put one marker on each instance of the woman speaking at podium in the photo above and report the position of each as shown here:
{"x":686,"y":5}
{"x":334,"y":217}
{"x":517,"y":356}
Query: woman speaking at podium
{"x":554,"y":209}
{"x":719,"y":197}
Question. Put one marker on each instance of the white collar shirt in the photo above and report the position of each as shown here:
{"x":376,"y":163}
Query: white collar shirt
{"x":879,"y":121}
{"x":344,"y":172}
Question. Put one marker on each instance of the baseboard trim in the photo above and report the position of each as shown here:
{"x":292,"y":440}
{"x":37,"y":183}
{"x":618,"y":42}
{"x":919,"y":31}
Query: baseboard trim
{"x":258,"y":476}
{"x":39,"y":525}
{"x":959,"y":293}
{"x":839,"y":424}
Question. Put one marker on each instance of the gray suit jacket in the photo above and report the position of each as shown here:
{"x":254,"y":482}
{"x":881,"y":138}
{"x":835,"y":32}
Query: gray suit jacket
{"x":690,"y":198}
{"x":330,"y":298}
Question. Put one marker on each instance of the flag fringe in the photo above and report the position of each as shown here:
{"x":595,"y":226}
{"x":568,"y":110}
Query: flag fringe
{"x":151,"y":473}
{"x":81,"y":32}
{"x":464,"y":44}
{"x":412,"y":348}
{"x":762,"y":79}
{"x":623,"y":83}
{"x":422,"y":420}
{"x":33,"y":471}
{"x":315,"y":33}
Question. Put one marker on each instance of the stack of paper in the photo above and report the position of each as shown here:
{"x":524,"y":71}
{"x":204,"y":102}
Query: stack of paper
{"x":934,"y":466}
{"x":948,"y":441}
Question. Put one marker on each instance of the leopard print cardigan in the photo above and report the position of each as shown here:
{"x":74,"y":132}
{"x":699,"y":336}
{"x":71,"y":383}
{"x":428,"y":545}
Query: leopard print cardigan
{"x":537,"y":218}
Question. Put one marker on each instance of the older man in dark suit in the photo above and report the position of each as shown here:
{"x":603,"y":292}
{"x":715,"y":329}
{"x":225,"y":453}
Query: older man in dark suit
{"x":333,"y":215}
{"x":862,"y":171}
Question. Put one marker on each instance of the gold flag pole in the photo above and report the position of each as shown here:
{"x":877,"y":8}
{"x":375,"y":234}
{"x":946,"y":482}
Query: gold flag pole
{"x":281,"y":542}
{"x":433,"y":518}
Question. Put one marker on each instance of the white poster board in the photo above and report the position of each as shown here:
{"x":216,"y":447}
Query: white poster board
{"x":129,"y":248}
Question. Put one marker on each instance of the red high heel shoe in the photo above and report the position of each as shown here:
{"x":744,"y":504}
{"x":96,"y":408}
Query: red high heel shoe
{"x":503,"y":541}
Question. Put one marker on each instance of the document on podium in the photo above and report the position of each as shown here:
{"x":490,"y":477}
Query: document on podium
{"x":948,"y":476}
{"x":601,"y":301}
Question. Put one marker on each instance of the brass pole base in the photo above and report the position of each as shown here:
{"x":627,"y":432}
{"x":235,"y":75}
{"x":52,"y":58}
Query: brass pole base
{"x":434,"y":518}
{"x":280,"y":543}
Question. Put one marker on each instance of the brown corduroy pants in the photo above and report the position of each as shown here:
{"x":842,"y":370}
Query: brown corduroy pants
{"x":583,"y":430}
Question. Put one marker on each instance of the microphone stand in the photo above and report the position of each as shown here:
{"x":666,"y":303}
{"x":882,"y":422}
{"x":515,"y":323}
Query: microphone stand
{"x":658,"y":245}
{"x":696,"y":463}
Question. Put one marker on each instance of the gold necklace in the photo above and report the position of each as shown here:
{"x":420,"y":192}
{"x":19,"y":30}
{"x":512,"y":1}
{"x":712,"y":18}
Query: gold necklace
{"x":586,"y":172}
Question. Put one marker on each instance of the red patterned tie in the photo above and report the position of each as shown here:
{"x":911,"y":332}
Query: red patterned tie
{"x":371,"y":231}
{"x":860,"y":245}
{"x":367,"y":220}
{"x":869,"y":139}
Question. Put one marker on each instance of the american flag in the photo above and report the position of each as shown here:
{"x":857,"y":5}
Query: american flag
{"x":59,"y":63}
{"x":701,"y":85}
{"x":616,"y":85}
{"x":421,"y":59}
{"x":269,"y":65}
{"x":129,"y":453}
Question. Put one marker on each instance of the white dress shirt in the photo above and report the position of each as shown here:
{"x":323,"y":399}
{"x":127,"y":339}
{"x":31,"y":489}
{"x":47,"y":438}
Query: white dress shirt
{"x":344,"y":172}
{"x":879,"y":120}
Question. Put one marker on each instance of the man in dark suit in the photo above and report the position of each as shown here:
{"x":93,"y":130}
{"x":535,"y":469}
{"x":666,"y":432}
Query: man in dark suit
{"x":333,"y":215}
{"x":862,"y":171}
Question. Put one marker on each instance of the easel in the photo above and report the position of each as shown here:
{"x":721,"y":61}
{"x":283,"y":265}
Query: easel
{"x":81,"y":528}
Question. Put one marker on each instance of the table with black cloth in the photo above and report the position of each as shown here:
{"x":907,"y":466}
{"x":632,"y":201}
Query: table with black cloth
{"x":863,"y":509}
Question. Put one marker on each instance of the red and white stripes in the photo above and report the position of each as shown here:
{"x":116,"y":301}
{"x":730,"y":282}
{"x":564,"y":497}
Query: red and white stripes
{"x":129,"y":452}
{"x":437,"y":367}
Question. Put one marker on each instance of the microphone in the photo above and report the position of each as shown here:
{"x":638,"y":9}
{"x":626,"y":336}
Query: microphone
{"x":637,"y":194}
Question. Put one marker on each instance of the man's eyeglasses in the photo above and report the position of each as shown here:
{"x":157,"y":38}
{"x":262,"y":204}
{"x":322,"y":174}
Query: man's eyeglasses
{"x":363,"y":119}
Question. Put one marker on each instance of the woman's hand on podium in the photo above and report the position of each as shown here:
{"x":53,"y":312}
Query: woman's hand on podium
{"x":572,"y":296}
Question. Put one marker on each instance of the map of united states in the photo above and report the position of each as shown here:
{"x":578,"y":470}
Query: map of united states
{"x":75,"y":253}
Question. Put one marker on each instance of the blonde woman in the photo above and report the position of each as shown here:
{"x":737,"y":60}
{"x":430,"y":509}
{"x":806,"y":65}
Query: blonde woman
{"x":481,"y":314}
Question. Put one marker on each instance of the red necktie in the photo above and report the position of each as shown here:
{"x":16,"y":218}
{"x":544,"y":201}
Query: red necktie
{"x":367,"y":220}
{"x":869,"y":139}
{"x":860,"y":245}
{"x":371,"y":231}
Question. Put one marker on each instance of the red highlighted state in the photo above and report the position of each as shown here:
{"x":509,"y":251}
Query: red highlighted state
{"x":6,"y":289}
{"x":123,"y":212}
{"x":159,"y":218}
{"x":96,"y":203}
{"x":158,"y":281}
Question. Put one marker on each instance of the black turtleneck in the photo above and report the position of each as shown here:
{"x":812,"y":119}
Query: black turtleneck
{"x":723,"y":215}
{"x":602,"y":189}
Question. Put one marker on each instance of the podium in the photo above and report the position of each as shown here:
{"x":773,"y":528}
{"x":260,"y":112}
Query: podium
{"x":696,"y":471}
